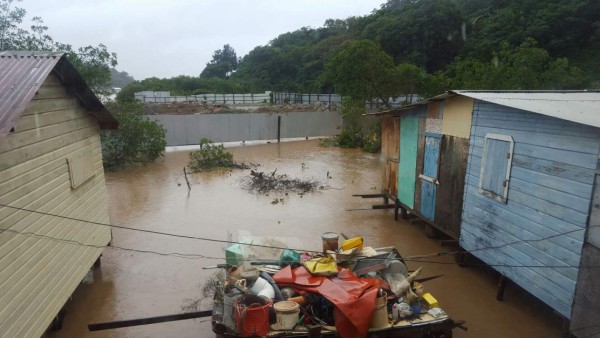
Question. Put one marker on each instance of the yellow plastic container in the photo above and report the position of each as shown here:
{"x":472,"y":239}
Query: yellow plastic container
{"x":430,"y":300}
{"x":356,"y":242}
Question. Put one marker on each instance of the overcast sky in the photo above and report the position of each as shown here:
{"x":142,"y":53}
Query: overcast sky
{"x":168,"y":38}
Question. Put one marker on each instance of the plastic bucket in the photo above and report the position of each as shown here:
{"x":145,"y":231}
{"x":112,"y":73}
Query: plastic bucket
{"x":330,"y":241}
{"x":380,"y":315}
{"x":287,"y":314}
{"x":252,"y":315}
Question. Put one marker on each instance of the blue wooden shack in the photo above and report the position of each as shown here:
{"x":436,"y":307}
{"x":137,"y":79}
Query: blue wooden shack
{"x":527,"y":208}
{"x":425,"y":146}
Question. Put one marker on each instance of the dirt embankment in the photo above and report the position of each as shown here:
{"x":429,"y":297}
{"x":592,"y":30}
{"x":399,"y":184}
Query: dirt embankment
{"x":184,"y":108}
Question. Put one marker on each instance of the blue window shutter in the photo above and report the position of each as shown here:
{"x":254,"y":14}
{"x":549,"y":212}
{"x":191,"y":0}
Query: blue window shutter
{"x":495,"y":166}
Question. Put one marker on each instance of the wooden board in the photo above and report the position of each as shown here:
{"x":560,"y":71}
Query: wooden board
{"x":390,"y":149}
{"x":586,"y":307}
{"x":420,"y":159}
{"x":453,"y":167}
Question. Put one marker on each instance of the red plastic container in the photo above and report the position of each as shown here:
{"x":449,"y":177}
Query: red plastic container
{"x":252,"y":315}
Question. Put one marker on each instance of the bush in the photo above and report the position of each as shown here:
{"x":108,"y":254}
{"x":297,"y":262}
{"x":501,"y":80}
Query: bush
{"x":210,"y":156}
{"x":136,"y":140}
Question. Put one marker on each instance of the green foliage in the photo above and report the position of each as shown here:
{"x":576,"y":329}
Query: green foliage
{"x":222,"y":65}
{"x":522,"y":67}
{"x":93,"y":63}
{"x":362,"y":71}
{"x":359,"y":131}
{"x":210,"y":156}
{"x":120,"y":79}
{"x":185,"y":85}
{"x":137,"y":139}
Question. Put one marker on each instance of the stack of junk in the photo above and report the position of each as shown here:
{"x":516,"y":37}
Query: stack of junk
{"x":348,"y":291}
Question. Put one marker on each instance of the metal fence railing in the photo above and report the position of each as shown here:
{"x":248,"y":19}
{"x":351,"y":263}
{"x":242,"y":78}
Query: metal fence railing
{"x":266,"y":97}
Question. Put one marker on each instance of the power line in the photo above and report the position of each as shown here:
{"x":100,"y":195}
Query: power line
{"x":416,"y":258}
{"x":199,"y":256}
{"x":154,"y":231}
{"x":116,"y":247}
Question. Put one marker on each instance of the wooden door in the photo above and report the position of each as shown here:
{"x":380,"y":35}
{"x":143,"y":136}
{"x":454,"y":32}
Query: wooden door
{"x":429,"y":177}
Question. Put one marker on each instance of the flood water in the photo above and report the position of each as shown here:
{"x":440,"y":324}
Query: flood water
{"x":155,"y":197}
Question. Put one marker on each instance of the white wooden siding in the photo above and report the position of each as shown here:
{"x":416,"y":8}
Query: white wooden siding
{"x":38,"y":275}
{"x":551,"y":179}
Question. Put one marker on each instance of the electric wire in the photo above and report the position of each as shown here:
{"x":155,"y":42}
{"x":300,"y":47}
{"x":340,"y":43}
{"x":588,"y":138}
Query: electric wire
{"x":416,"y":258}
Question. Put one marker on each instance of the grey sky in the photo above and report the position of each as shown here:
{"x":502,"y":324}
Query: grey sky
{"x":178,"y":37}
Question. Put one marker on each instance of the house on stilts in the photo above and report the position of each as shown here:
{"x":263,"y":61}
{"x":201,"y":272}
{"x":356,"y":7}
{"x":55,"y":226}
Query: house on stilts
{"x":52,"y":192}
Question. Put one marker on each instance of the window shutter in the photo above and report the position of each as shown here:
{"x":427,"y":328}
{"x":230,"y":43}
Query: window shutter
{"x":495,"y":166}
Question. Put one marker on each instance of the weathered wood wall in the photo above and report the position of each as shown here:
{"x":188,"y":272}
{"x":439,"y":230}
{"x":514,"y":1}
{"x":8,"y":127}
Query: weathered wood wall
{"x":549,"y":193}
{"x":390,"y":149}
{"x":453,"y":169}
{"x":38,"y":275}
{"x":586,"y":305}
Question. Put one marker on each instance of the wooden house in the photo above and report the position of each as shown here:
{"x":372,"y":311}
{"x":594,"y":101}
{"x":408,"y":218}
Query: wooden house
{"x":532,"y":175}
{"x":425,"y":147}
{"x":51,"y":183}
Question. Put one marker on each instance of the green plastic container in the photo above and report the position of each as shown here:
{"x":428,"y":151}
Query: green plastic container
{"x":289,"y":257}
{"x":234,"y":255}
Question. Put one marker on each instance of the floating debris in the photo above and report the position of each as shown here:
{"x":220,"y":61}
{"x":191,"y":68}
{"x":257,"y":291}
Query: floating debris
{"x":264,"y":183}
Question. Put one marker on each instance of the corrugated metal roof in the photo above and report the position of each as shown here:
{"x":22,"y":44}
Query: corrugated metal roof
{"x":23,"y":72}
{"x":576,"y":106}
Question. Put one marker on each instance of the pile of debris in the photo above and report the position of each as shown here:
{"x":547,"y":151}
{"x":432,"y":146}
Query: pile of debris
{"x":348,"y":291}
{"x":263,"y":183}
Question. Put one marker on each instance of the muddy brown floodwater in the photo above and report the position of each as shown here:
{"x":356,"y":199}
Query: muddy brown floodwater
{"x":155,"y":197}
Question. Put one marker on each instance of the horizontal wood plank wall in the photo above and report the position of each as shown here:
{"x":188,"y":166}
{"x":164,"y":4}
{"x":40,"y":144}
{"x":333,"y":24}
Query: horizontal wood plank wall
{"x":390,"y":149}
{"x":38,"y":275}
{"x":453,"y":168}
{"x":549,"y":193}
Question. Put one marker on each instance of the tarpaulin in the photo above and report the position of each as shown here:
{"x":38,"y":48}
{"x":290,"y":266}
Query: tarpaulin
{"x":353,"y":297}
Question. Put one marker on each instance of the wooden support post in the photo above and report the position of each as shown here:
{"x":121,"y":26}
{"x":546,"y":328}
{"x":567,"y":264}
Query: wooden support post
{"x":149,"y":320}
{"x":501,"y":288}
{"x":397,"y":206}
{"x":186,"y":179}
{"x":278,"y":129}
{"x":383,"y":206}
{"x":404,"y":213}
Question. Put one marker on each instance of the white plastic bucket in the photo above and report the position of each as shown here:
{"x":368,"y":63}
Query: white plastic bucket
{"x":287,"y":314}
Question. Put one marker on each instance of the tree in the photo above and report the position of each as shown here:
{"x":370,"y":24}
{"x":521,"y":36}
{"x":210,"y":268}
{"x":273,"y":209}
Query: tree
{"x":525,"y":67}
{"x":224,"y":62}
{"x":363,"y":71}
{"x":120,"y":79}
{"x":137,"y":139}
{"x":93,"y":63}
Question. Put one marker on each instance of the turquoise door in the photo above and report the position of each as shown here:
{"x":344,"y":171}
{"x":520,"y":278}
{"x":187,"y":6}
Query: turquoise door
{"x":409,"y":135}
{"x":429,"y":178}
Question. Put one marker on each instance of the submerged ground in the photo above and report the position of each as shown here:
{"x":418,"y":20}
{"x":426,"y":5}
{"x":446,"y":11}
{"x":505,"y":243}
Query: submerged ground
{"x":155,"y":197}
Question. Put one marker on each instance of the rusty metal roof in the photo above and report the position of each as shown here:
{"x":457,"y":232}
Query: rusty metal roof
{"x":23,"y":72}
{"x":578,"y":106}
